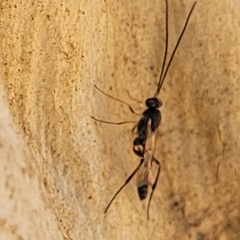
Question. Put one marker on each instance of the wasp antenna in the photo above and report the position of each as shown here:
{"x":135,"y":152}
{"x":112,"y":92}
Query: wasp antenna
{"x":160,"y":83}
{"x":165,"y":52}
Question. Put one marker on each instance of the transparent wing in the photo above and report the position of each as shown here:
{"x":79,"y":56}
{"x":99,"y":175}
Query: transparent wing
{"x":148,"y":151}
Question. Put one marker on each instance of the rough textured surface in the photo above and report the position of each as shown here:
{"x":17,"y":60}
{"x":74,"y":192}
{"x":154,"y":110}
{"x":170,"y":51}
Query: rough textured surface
{"x":59,"y":168}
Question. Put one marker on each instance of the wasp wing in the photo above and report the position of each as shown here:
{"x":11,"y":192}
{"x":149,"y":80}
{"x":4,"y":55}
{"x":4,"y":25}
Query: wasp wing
{"x":143,"y":172}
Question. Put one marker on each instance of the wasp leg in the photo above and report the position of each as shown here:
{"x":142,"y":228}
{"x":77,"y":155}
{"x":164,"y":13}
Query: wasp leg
{"x":114,"y":123}
{"x":154,"y":184}
{"x":118,"y":100}
{"x":126,"y":182}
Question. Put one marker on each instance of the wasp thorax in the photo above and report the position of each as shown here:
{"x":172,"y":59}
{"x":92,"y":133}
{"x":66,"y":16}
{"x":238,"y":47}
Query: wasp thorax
{"x":153,"y":103}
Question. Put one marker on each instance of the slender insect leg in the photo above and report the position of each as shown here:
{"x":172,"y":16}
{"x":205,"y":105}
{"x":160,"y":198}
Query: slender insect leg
{"x":114,"y":123}
{"x":118,"y":100}
{"x":154,"y":184}
{"x":134,"y":99}
{"x":126,"y":182}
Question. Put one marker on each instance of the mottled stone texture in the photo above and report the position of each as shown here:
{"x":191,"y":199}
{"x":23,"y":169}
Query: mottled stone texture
{"x":59,"y":168}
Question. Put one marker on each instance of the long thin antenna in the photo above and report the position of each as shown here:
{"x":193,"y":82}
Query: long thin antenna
{"x":160,"y":83}
{"x":166,"y":46}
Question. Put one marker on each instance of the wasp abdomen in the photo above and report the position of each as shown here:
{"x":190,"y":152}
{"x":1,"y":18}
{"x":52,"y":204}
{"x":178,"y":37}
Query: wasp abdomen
{"x":142,"y":192}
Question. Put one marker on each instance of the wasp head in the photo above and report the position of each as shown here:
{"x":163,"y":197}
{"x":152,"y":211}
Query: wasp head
{"x":153,"y":102}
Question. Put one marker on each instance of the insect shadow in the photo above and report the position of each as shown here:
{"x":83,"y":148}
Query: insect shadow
{"x":148,"y":124}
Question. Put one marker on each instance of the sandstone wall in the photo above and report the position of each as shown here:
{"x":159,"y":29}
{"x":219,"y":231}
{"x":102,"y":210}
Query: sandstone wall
{"x":59,"y":168}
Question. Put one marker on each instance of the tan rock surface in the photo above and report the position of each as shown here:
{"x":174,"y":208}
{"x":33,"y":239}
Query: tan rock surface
{"x":59,"y":168}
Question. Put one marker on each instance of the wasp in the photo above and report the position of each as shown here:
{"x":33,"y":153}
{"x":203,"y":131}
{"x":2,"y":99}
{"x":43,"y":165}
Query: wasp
{"x":143,"y":144}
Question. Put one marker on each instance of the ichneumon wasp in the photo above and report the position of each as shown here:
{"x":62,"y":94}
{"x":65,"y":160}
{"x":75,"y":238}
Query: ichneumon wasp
{"x":148,"y":124}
